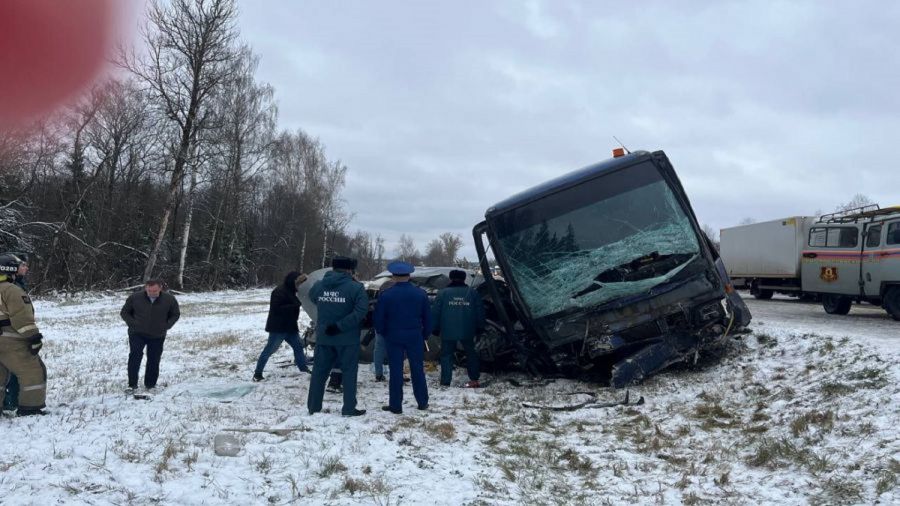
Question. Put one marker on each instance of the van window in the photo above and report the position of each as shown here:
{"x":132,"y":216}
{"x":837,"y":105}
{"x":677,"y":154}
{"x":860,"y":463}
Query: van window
{"x":873,"y":236}
{"x":893,"y":235}
{"x":834,"y":237}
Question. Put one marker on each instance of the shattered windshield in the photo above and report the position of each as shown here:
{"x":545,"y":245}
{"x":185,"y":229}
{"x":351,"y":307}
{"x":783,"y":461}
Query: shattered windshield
{"x":614,"y":236}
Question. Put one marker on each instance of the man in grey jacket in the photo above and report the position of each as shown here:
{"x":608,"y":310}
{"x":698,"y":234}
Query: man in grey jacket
{"x":149,"y":314}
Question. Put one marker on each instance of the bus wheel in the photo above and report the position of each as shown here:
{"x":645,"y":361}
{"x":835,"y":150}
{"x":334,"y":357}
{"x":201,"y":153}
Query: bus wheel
{"x":836,"y":304}
{"x":892,"y":302}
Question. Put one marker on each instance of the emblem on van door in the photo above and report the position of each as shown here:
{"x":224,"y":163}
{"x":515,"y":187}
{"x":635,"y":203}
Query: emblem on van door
{"x":829,"y":274}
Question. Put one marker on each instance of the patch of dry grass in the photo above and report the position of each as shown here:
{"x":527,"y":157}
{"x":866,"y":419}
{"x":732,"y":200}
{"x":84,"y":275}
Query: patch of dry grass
{"x":821,"y":419}
{"x":214,"y":341}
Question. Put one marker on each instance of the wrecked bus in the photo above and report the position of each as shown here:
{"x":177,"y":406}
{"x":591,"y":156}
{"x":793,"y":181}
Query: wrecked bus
{"x":603,"y":274}
{"x":604,"y":271}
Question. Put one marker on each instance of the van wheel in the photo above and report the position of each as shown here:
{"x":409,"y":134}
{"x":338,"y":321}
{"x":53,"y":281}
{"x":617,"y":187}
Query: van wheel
{"x":836,"y":304}
{"x":892,"y":302}
{"x":764,"y":294}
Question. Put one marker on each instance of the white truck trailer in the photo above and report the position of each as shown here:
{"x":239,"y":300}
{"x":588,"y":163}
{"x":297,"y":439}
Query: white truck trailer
{"x":765,"y":257}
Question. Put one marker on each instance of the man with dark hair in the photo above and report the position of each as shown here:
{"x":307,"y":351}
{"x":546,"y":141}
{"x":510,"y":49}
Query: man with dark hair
{"x":341,"y":306}
{"x":403,"y":317}
{"x":458,"y":316}
{"x":149,"y":314}
{"x":281,"y":324}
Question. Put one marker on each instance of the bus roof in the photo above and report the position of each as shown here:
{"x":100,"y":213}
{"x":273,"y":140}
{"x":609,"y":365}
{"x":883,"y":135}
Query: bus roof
{"x":567,"y":181}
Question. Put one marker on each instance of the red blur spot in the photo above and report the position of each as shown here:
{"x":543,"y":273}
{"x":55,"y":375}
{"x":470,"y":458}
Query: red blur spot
{"x":50,"y":50}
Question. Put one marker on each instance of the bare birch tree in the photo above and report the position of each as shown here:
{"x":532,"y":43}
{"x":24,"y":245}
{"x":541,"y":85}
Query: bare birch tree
{"x":190,"y":48}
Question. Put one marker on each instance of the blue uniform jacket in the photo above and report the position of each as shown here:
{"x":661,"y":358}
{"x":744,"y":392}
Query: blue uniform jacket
{"x":457,"y":312}
{"x":403,"y":314}
{"x":342,"y":300}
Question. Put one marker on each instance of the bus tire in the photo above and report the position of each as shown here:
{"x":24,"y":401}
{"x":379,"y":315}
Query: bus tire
{"x":836,"y":304}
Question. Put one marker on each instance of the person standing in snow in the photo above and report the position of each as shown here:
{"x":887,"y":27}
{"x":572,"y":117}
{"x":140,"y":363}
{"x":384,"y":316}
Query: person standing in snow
{"x":20,"y":341}
{"x":403,"y":317}
{"x":149,"y":314}
{"x":11,"y":401}
{"x":281,"y":324}
{"x":458,"y":316}
{"x":342,"y":304}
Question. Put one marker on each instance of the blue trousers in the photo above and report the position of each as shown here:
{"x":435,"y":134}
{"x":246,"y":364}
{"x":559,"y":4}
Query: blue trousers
{"x":327,"y":357}
{"x":275,"y":340}
{"x":415,"y":352}
{"x":448,"y":347}
{"x":379,"y":354}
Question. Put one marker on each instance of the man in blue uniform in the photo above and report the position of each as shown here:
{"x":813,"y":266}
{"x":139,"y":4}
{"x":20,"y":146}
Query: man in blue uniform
{"x":458,"y":316}
{"x":342,"y":305}
{"x":403,"y":317}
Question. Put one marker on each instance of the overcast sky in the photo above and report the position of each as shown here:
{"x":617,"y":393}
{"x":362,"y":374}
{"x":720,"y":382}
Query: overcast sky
{"x":441,"y":109}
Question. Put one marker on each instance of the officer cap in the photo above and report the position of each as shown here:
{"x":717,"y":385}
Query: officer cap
{"x":345,"y":263}
{"x":400,"y":268}
{"x":457,"y":275}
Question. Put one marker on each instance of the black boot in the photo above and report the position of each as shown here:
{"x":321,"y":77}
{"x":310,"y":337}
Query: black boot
{"x":334,"y":383}
{"x":30,"y":412}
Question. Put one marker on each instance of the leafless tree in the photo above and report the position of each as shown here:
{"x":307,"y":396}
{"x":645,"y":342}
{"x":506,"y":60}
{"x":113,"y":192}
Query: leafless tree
{"x":712,"y":234}
{"x":451,"y":243}
{"x":97,"y":194}
{"x":190,"y":50}
{"x":237,"y":138}
{"x":407,"y":251}
{"x":858,"y":200}
{"x":434,"y":253}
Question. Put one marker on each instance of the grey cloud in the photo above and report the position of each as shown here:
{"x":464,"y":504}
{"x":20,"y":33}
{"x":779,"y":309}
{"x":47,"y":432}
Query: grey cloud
{"x":767,"y":109}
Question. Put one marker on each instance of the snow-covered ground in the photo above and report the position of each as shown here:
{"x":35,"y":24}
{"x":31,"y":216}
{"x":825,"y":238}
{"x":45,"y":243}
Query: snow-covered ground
{"x":803,"y":410}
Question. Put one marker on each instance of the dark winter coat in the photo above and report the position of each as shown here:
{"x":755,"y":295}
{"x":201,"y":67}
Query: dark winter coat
{"x":284,"y":306}
{"x":339,"y":300}
{"x":403,"y":314}
{"x":150,"y":319}
{"x":457,"y":312}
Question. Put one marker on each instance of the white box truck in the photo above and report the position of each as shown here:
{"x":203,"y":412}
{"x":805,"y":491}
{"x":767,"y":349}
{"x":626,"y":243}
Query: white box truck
{"x":765,"y":257}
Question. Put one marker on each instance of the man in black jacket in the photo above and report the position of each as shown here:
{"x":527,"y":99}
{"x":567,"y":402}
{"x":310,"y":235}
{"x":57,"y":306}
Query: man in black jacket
{"x":149,"y":314}
{"x":284,"y":309}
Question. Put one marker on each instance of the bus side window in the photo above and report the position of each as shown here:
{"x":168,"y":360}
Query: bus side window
{"x":873,"y":236}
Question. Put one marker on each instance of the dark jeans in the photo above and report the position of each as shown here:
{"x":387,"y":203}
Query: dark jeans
{"x":11,"y":401}
{"x":379,"y":354}
{"x":154,"y":353}
{"x":326,"y":357}
{"x":415,"y":353}
{"x":448,"y":348}
{"x":275,"y":340}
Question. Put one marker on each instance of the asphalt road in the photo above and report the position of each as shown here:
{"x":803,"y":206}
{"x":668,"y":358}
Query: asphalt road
{"x":865,"y":323}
